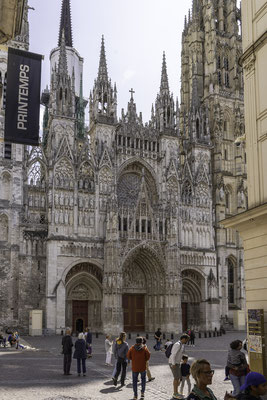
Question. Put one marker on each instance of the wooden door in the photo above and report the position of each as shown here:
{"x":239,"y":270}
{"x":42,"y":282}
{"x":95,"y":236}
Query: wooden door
{"x":184,"y":316}
{"x":134,"y":312}
{"x":79,"y":314}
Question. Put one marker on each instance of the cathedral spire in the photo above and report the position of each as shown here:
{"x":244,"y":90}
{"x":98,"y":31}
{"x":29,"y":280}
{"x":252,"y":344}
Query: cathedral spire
{"x":65,"y":24}
{"x":102,"y":70}
{"x":164,"y":85}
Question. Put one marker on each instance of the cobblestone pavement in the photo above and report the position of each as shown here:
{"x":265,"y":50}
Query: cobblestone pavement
{"x":36,"y":373}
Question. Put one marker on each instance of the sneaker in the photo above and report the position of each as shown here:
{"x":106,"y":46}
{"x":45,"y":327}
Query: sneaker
{"x":177,"y":396}
{"x":142,"y":396}
{"x":84,"y":374}
{"x":226,"y":378}
{"x":151,"y":379}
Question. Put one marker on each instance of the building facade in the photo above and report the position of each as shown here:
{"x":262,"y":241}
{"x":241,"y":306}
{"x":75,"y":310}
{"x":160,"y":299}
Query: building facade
{"x":118,"y":228}
{"x":253,"y":222}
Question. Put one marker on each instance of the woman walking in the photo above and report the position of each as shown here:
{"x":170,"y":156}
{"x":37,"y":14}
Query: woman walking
{"x":80,"y":354}
{"x":238,"y":365}
{"x":108,"y":348}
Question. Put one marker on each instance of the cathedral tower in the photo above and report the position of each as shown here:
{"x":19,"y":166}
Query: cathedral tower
{"x":212,"y":108}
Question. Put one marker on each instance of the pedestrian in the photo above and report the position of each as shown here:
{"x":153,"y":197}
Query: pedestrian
{"x":174,"y":363}
{"x":108,"y":348}
{"x":148,"y":373}
{"x":80,"y":354}
{"x":202,"y":374}
{"x":226,"y":372}
{"x":120,"y":352}
{"x":185,"y":373}
{"x":255,"y":386}
{"x":139,"y":355}
{"x":192,"y":338}
{"x":67,"y":351}
{"x":88,"y":339}
{"x":157,"y":336}
{"x":238,"y":365}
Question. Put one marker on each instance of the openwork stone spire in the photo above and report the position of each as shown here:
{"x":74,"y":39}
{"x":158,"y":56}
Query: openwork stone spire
{"x":102,"y":70}
{"x":164,"y":85}
{"x":65,"y":24}
{"x":62,"y":62}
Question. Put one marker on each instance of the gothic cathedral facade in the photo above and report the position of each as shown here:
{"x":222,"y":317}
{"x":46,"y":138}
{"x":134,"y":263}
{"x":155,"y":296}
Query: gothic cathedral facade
{"x":117,"y":226}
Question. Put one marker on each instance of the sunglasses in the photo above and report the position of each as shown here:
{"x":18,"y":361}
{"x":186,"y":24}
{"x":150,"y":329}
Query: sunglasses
{"x":211,"y":372}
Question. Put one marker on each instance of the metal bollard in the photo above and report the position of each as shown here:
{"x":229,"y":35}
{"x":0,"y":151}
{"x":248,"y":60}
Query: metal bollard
{"x":214,"y":333}
{"x":209,"y":334}
{"x":172,"y":336}
{"x":199,"y":335}
{"x":96,"y":335}
{"x":164,"y":336}
{"x":137,"y":335}
{"x":129,"y":336}
{"x":205,"y":334}
{"x":147,"y":337}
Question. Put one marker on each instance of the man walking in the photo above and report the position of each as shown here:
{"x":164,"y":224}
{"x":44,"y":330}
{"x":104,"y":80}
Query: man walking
{"x":67,"y":351}
{"x":174,"y":363}
{"x":139,"y":355}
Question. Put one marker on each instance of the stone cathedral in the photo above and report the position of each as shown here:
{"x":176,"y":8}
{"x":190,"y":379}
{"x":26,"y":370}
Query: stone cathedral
{"x":117,"y":226}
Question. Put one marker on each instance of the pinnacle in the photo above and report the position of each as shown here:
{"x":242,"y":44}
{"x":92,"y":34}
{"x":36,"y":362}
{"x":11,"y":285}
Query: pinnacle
{"x":164,"y":85}
{"x":65,"y":24}
{"x":102,"y":70}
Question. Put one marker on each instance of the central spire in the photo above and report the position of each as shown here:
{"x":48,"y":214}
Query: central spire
{"x":65,"y":24}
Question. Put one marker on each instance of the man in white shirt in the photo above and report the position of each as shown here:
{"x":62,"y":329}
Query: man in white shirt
{"x":174,"y":363}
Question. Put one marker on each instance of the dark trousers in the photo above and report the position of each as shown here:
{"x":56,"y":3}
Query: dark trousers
{"x":143,"y":382}
{"x":121,"y":365}
{"x":67,"y":363}
{"x":79,"y":360}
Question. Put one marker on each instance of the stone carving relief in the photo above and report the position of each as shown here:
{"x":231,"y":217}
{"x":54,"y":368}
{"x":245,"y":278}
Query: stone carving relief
{"x":134,"y":278}
{"x":85,"y":267}
{"x":80,"y":292}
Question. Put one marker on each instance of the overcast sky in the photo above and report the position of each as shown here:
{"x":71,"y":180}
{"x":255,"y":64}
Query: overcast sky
{"x":136,"y":34}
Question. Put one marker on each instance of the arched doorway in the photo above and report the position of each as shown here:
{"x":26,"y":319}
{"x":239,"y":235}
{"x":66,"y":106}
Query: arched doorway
{"x":143,"y":298}
{"x":84,"y":297}
{"x":193,"y":288}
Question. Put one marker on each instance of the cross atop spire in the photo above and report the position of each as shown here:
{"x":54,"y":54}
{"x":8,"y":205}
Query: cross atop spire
{"x":102,"y":70}
{"x":164,"y":85}
{"x":65,"y":24}
{"x":132,"y":93}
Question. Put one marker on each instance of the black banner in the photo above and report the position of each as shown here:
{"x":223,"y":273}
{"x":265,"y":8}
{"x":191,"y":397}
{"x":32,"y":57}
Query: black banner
{"x":23,"y":97}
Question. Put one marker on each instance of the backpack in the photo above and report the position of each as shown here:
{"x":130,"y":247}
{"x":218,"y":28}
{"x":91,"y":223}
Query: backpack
{"x":169,"y":350}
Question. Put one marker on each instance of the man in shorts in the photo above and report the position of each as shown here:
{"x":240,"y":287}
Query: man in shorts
{"x":175,"y":361}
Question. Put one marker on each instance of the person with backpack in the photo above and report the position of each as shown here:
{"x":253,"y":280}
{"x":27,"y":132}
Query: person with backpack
{"x":174,"y":362}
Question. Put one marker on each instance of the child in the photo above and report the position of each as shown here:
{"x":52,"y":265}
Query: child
{"x":108,"y":348}
{"x":185,"y":372}
{"x":255,"y":386}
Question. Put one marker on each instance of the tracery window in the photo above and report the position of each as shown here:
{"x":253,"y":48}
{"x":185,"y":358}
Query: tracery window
{"x":105,"y":180}
{"x":36,"y":174}
{"x":187,"y":193}
{"x":64,"y":175}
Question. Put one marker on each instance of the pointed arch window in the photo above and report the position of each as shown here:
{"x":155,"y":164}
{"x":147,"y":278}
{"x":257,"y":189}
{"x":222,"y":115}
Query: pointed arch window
{"x":231,"y":281}
{"x":187,"y":193}
{"x":197,"y":129}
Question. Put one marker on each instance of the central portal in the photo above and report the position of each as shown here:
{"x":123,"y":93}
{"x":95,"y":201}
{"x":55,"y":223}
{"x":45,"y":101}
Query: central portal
{"x":80,"y":315}
{"x":134,"y":312}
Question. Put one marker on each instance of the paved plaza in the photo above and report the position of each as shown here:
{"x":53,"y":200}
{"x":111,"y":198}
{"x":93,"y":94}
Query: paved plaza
{"x":36,"y":373}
